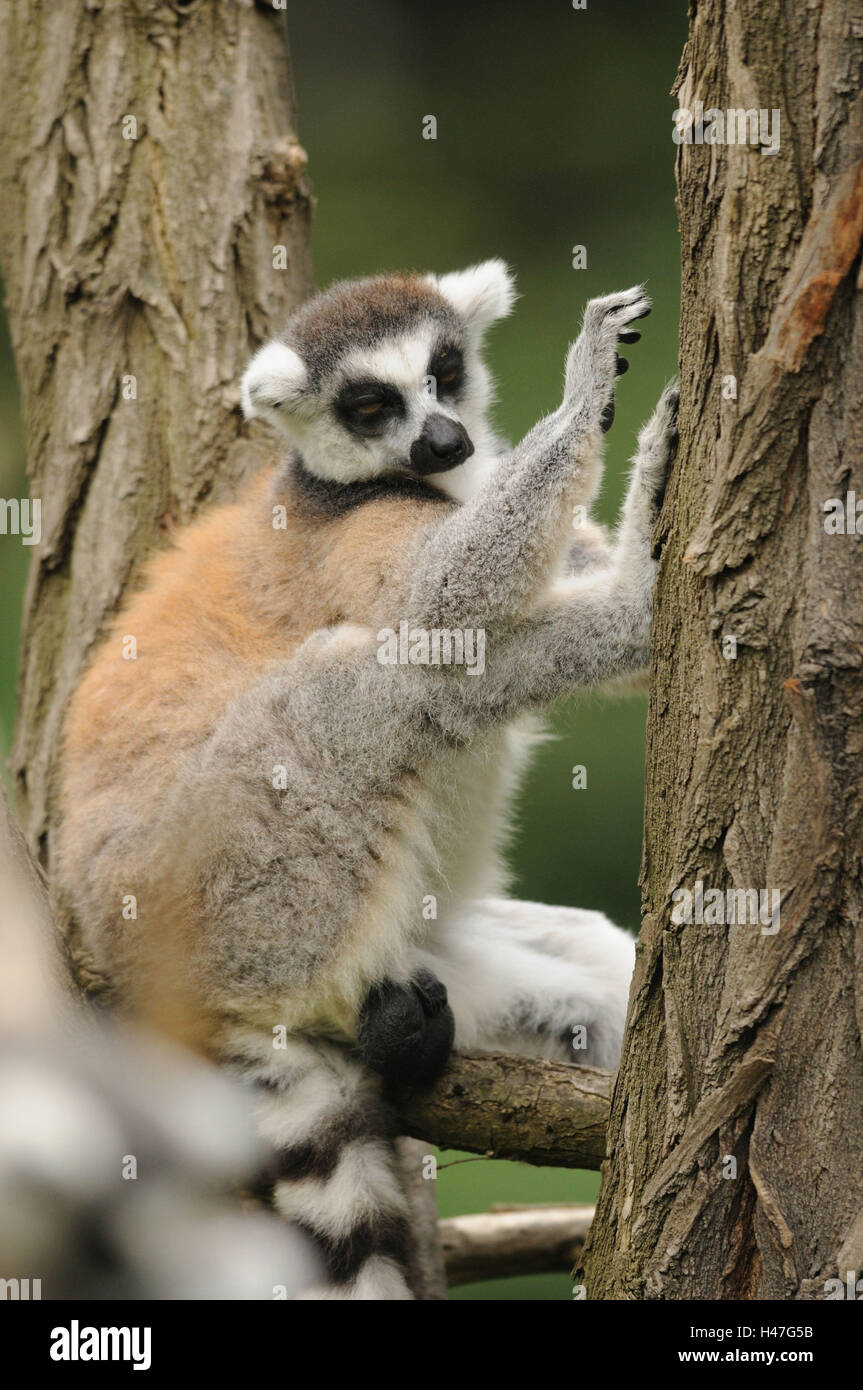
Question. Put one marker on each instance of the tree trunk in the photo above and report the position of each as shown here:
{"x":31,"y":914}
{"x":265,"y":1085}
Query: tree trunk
{"x":149,"y":172}
{"x":148,"y":168}
{"x":744,"y":1043}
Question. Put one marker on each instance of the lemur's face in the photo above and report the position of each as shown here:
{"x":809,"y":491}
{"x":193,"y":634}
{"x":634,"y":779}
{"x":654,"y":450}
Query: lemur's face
{"x":384,"y":376}
{"x":399,"y":403}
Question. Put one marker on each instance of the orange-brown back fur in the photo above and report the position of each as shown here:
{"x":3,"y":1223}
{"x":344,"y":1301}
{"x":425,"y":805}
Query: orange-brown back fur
{"x":232,"y":596}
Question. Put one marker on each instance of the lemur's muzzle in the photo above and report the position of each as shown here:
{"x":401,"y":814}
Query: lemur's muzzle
{"x":443,"y":444}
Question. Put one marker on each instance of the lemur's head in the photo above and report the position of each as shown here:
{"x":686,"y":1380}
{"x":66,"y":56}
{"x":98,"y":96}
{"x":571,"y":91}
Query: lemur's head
{"x":384,"y":375}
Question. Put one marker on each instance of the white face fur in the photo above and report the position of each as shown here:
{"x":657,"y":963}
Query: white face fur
{"x":375,"y":410}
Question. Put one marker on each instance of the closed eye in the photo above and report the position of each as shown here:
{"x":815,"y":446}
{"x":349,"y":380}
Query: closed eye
{"x":369,"y":405}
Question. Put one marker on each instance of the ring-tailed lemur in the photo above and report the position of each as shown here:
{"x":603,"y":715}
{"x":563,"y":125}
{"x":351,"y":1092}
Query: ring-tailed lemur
{"x":324,"y":820}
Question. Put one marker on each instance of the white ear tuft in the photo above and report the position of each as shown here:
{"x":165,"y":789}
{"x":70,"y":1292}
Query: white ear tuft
{"x":276,"y":377}
{"x":481,"y":294}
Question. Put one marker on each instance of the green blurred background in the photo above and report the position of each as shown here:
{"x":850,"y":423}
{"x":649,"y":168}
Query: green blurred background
{"x":553,"y":130}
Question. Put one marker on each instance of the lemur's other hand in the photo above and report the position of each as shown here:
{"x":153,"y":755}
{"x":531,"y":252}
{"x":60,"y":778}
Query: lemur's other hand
{"x":657,"y":444}
{"x":406,"y":1031}
{"x":593,"y":363}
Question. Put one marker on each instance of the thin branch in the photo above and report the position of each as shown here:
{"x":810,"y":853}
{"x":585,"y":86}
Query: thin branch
{"x":513,"y":1240}
{"x":548,"y":1113}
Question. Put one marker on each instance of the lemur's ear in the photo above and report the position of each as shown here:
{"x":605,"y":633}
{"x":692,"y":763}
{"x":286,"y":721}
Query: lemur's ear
{"x":481,"y":294}
{"x":275,"y":379}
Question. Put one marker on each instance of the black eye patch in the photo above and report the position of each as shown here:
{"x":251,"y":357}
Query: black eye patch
{"x":366,"y":407}
{"x":447,"y":368}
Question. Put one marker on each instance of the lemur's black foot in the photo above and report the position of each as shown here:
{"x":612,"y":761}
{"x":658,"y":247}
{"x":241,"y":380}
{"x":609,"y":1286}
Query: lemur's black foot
{"x":406,"y":1032}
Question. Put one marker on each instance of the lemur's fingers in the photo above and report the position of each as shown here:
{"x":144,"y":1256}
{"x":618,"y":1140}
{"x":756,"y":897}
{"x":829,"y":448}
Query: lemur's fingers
{"x":593,"y":363}
{"x":657,"y":443}
{"x":619,"y":309}
{"x":406,"y":1031}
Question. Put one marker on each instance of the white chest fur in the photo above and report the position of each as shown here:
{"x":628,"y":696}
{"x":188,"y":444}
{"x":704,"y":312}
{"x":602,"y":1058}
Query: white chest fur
{"x":468,"y":798}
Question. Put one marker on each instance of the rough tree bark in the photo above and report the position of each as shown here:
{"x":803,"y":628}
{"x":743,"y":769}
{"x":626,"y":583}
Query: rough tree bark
{"x":743,"y":1044}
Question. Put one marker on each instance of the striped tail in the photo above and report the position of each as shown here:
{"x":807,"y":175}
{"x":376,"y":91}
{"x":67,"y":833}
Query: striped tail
{"x":335,"y":1174}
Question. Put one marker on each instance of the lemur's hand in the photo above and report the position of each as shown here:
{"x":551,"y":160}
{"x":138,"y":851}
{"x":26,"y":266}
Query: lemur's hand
{"x":405,"y":1032}
{"x":593,"y":364}
{"x":657,"y":445}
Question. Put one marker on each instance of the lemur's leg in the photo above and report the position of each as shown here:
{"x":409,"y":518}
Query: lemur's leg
{"x":541,"y":981}
{"x":334,"y":1170}
{"x":490,"y":559}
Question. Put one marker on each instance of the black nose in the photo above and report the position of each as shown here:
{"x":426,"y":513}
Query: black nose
{"x":443,"y":444}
